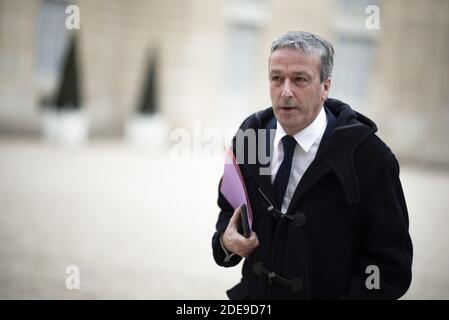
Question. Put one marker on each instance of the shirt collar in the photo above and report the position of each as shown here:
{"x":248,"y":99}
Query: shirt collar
{"x":307,"y":136}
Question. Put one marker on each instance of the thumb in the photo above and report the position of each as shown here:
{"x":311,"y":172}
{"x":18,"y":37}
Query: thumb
{"x":254,"y":239}
{"x":253,"y":236}
{"x":234,"y":219}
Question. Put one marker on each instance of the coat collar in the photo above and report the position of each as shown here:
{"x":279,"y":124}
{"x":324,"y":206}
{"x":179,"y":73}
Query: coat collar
{"x":335,"y":155}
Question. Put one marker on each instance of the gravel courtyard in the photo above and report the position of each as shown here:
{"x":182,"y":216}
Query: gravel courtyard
{"x":139,"y":225}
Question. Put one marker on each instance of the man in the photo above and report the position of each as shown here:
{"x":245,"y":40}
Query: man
{"x":331,"y":221}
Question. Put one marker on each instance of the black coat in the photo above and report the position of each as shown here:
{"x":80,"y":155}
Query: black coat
{"x":347,"y":213}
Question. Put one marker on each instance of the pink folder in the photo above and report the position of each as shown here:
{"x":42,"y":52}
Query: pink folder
{"x":233,"y":187}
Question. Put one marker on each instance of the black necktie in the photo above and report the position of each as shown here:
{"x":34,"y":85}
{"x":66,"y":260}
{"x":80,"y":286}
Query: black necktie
{"x":283,"y":174}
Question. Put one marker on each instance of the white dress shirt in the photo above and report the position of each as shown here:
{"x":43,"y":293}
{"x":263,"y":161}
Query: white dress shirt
{"x":308,"y":140}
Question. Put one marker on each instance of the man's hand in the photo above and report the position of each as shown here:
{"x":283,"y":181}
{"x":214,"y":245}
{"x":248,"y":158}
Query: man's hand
{"x":235,"y":242}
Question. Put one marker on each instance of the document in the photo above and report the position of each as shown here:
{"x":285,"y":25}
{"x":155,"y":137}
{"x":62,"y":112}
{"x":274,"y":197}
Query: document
{"x":233,"y":187}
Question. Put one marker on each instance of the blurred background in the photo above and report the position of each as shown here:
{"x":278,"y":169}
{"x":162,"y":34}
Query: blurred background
{"x":94,"y":98}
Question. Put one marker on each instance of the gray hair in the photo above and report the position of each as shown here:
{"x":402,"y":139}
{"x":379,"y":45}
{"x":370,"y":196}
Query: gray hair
{"x":310,"y":44}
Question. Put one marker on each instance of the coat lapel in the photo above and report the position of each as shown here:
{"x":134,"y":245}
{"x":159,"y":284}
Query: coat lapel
{"x":261,"y":173}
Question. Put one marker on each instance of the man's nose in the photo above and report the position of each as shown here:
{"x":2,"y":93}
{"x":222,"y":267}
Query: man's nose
{"x":286,"y":91}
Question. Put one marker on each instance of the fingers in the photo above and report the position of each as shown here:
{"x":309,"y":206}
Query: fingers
{"x":250,"y":245}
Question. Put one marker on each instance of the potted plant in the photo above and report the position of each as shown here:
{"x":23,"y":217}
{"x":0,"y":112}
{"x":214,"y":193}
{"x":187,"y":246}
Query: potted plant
{"x":63,"y":118}
{"x":147,"y":126}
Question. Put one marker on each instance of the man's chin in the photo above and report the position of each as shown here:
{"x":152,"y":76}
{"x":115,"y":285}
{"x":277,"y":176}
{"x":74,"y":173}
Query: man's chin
{"x":289,"y":123}
{"x":288,"y":116}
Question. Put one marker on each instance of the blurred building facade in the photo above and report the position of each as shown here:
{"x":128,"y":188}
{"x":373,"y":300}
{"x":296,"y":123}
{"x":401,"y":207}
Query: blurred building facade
{"x":212,"y":62}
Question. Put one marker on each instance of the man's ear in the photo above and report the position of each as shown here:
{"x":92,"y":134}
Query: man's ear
{"x":326,"y":88}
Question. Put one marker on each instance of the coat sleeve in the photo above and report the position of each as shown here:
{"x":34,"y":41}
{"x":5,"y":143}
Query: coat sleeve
{"x":222,"y":223}
{"x":386,"y":241}
{"x":224,"y":216}
{"x":226,"y":209}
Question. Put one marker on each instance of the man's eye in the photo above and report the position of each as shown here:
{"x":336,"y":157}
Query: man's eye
{"x":300,"y":79}
{"x":275,"y":78}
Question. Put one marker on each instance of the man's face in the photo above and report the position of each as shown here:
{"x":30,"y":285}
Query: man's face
{"x":295,"y":89}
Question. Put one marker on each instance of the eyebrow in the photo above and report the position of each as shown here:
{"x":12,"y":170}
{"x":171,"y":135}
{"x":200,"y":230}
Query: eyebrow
{"x":295,"y":73}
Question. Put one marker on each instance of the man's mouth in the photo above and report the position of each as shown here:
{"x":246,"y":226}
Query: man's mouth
{"x":287,"y":108}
